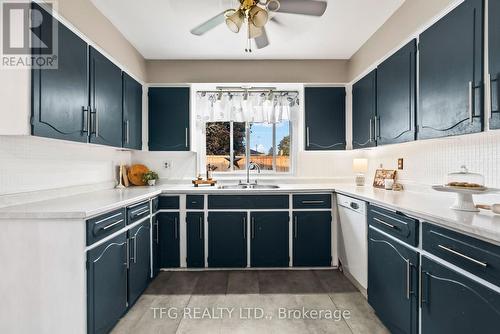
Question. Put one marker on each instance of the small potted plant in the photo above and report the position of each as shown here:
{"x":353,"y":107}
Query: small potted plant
{"x":150,"y":178}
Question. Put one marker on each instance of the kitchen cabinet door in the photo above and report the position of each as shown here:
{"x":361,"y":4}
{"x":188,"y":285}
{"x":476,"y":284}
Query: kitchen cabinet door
{"x":155,"y":237}
{"x":139,"y":261}
{"x":312,"y":238}
{"x":105,"y":100}
{"x":169,"y":118}
{"x":106,"y":284}
{"x":269,"y":239}
{"x":325,"y":118}
{"x":227,"y":239}
{"x":451,"y":73}
{"x":132,"y":113}
{"x":393,"y":283}
{"x":494,"y":57}
{"x":60,"y":96}
{"x":396,"y":96}
{"x":364,"y":111}
{"x":454,"y":303}
{"x":195,"y":239}
{"x":169,"y":247}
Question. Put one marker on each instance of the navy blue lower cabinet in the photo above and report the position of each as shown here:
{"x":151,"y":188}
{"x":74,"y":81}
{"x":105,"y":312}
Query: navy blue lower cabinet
{"x":393,"y":283}
{"x":453,"y":303}
{"x":106,"y":284}
{"x":195,"y":234}
{"x":155,"y":247}
{"x":139,"y":263}
{"x":168,"y":234}
{"x":227,"y":239}
{"x":312,"y":239}
{"x":269,"y":239}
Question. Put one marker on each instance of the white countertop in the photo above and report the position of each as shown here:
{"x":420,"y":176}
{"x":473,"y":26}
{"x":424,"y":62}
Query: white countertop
{"x":427,"y":205}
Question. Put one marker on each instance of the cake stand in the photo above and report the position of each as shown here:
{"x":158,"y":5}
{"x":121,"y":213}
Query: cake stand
{"x":464,"y":201}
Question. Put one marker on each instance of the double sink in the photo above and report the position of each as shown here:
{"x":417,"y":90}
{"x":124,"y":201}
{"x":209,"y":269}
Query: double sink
{"x":249,"y":186}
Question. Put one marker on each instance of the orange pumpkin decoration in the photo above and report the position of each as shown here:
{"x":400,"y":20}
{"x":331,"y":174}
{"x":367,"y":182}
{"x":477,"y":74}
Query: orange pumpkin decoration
{"x":135,"y":173}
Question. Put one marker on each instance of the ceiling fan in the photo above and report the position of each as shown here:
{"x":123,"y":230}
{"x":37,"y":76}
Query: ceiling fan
{"x":255,"y":14}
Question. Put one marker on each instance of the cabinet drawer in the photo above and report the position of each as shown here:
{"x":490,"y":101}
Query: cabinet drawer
{"x":104,"y":225}
{"x":195,"y":202}
{"x":168,"y":202}
{"x":476,"y":256}
{"x":248,"y":202}
{"x":317,"y":201}
{"x":155,"y":203}
{"x":137,"y":212}
{"x":394,"y":223}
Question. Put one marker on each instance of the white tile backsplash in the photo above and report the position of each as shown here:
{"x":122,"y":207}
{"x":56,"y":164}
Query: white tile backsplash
{"x":183,"y":164}
{"x":31,"y":164}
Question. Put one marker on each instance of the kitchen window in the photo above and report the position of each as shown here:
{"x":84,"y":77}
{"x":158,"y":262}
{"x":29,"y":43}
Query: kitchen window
{"x":267,"y":144}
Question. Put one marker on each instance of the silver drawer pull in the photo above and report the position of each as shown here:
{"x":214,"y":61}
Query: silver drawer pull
{"x":408,"y":273}
{"x":111,"y":225}
{"x":108,"y":218}
{"x":139,"y":211}
{"x":384,"y":223}
{"x":482,"y":264}
{"x":313,"y":202}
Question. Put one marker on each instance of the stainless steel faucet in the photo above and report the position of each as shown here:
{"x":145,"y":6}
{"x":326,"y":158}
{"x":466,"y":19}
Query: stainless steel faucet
{"x":252,"y":166}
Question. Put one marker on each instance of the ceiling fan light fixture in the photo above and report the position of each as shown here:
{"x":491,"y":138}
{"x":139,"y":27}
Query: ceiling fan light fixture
{"x":235,"y":21}
{"x":273,"y":5}
{"x":258,"y":16}
{"x":253,"y":30}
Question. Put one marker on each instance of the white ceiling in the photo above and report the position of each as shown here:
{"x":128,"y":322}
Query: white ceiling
{"x":159,"y":29}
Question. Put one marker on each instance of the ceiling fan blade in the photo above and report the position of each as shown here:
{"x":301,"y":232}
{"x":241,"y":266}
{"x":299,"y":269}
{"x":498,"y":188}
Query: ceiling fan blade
{"x":304,"y":7}
{"x":209,"y":25}
{"x":262,"y":41}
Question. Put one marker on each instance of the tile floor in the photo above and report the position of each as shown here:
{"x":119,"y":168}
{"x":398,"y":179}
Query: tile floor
{"x":209,"y":297}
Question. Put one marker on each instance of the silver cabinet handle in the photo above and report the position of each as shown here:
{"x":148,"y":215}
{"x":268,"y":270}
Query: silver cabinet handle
{"x":85,"y":116}
{"x":490,"y":101}
{"x":408,"y":279}
{"x":127,"y":131}
{"x":175,"y":227}
{"x":134,"y":252}
{"x":95,"y":123}
{"x":157,"y":233}
{"x":371,"y":129}
{"x":252,"y":224}
{"x":140,"y":211}
{"x":307,"y":136}
{"x":376,"y":129}
{"x":452,"y":251}
{"x":244,"y":227}
{"x":295,"y":227}
{"x":128,"y":254}
{"x":107,"y":227}
{"x":201,"y":227}
{"x":313,"y":202}
{"x":187,"y":143}
{"x":384,"y":223}
{"x":471,"y":108}
{"x":107,"y":218}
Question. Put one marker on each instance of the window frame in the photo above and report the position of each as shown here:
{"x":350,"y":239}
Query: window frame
{"x":241,"y":172}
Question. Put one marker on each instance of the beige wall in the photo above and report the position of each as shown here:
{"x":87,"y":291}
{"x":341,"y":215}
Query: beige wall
{"x":409,"y":19}
{"x":283,"y":71}
{"x":85,"y":17}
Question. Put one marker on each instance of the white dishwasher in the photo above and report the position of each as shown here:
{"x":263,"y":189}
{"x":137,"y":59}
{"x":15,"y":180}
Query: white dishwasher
{"x":353,"y":243}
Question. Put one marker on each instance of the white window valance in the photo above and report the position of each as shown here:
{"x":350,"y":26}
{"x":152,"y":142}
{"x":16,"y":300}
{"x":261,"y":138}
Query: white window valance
{"x":272,"y":107}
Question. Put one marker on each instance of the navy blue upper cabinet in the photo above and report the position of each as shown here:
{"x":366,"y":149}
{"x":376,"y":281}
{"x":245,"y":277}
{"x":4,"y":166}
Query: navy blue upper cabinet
{"x":396,"y":96}
{"x":60,"y":96}
{"x":454,"y":303}
{"x":325,"y":118}
{"x":494,"y":57}
{"x":269,"y":239}
{"x":364,"y":107}
{"x":393,"y":283}
{"x":132,"y":113}
{"x":105,"y":100}
{"x":227,"y":239}
{"x":312,"y":238}
{"x":451,"y":72}
{"x":169,"y":119}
